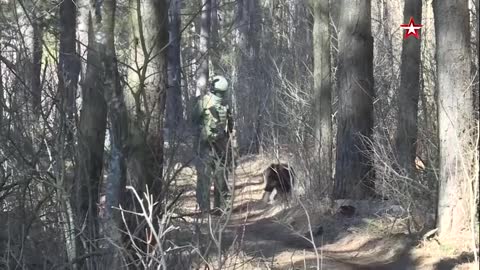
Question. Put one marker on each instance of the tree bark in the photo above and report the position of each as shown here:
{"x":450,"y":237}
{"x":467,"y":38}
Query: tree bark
{"x":146,"y":101}
{"x":408,"y":94}
{"x":2,"y":102}
{"x":69,"y":64}
{"x":160,"y":34}
{"x":150,"y":23}
{"x":247,"y":89}
{"x":37,"y":52}
{"x":454,"y":115}
{"x":203,"y":71}
{"x":91,"y":133}
{"x":68,"y":72}
{"x":203,"y":181}
{"x":353,"y":178}
{"x":322,"y":96}
{"x":216,"y":47}
{"x":117,"y":115}
{"x":174,"y":109}
{"x":476,"y":66}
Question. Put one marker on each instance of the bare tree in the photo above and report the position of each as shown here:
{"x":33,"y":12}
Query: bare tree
{"x":454,"y":115}
{"x":203,"y":71}
{"x":353,"y":177}
{"x":91,"y":131}
{"x":69,"y":64}
{"x":246,"y":87}
{"x":203,"y":187}
{"x":37,"y":52}
{"x":68,"y":72}
{"x":408,"y":93}
{"x":34,"y":42}
{"x":156,"y":96}
{"x":118,"y":130}
{"x":1,"y":95}
{"x":322,"y":94}
{"x":174,"y":109}
{"x":476,"y":65}
{"x":148,"y":86}
{"x":215,"y":48}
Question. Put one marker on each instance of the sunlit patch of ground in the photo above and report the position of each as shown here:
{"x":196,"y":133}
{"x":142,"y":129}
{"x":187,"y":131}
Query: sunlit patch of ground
{"x":278,"y":235}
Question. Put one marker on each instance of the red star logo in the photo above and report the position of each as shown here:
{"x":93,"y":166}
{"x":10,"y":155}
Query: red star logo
{"x":411,"y":29}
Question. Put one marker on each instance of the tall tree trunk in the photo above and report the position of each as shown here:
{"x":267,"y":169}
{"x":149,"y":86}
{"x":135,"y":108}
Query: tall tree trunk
{"x":454,"y":115}
{"x":150,"y":23}
{"x":2,"y":99}
{"x":216,"y":48}
{"x":146,"y":101}
{"x":203,"y":71}
{"x":322,"y":95}
{"x":69,"y":63}
{"x":159,"y":34}
{"x":476,"y":66}
{"x":68,"y":72}
{"x":476,"y":106}
{"x":37,"y":52}
{"x":247,"y":91}
{"x":117,"y":115}
{"x":408,"y":94}
{"x":353,"y":178}
{"x":91,"y":133}
{"x":203,"y":181}
{"x":174,"y":109}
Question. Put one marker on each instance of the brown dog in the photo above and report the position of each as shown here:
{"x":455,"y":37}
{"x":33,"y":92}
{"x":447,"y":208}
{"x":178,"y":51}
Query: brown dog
{"x":278,"y":177}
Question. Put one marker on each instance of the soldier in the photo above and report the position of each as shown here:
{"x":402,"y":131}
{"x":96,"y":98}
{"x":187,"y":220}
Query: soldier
{"x":214,"y":120}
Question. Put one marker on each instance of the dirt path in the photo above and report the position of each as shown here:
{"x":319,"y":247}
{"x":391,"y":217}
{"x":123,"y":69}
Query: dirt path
{"x":278,"y":237}
{"x":264,"y":232}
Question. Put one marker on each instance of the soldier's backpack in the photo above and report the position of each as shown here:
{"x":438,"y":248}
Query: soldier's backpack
{"x":213,"y":117}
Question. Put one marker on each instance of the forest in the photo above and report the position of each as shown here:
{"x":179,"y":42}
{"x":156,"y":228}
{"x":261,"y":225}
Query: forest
{"x":239,"y":134}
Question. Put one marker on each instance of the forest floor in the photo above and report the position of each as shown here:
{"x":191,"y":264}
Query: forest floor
{"x":256,"y":235}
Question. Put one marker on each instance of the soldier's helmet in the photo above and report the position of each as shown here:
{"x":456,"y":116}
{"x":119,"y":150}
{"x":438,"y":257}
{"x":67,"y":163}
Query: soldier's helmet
{"x":219,"y":84}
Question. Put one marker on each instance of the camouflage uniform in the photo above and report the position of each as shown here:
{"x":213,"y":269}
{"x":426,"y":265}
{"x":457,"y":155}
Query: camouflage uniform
{"x":213,"y":117}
